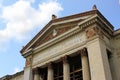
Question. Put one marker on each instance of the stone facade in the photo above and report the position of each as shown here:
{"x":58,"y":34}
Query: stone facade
{"x":79,"y":47}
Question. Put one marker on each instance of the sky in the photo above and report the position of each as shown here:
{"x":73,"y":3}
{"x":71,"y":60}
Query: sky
{"x":21,"y":20}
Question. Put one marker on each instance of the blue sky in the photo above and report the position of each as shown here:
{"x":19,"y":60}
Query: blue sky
{"x":20,"y":21}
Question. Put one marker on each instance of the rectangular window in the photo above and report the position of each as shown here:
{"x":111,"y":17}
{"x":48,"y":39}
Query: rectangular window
{"x":58,"y":71}
{"x":43,"y":73}
{"x":75,"y":68}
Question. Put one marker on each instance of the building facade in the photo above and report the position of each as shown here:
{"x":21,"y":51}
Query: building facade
{"x":83,"y":46}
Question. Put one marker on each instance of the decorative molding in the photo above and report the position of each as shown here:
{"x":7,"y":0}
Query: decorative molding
{"x":51,"y":36}
{"x":69,"y":33}
{"x":67,"y":19}
{"x":83,"y":52}
{"x":54,"y":33}
{"x":90,"y":33}
{"x":49,"y":65}
{"x":28,"y":61}
{"x":94,"y":31}
{"x":84,"y":15}
{"x":57,"y":39}
{"x":81,"y":26}
{"x":65,"y":59}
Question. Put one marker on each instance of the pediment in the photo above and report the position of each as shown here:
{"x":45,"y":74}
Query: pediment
{"x":56,"y":28}
{"x":55,"y":31}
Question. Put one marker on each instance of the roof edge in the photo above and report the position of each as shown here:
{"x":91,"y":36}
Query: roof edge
{"x":94,"y":11}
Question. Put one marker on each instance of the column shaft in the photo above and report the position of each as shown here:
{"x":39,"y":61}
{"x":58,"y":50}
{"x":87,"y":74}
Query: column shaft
{"x":36,"y":74}
{"x":66,"y":69}
{"x":85,"y":65}
{"x":50,"y":72}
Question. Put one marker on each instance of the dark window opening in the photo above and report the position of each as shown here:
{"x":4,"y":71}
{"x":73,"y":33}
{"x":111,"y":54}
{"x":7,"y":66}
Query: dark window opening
{"x":43,"y":73}
{"x":75,"y":68}
{"x":58,"y":71}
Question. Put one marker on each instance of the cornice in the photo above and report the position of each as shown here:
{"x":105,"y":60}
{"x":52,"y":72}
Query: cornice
{"x":87,"y":13}
{"x":117,"y":32}
{"x":49,"y":25}
{"x":81,"y":26}
{"x":104,"y":20}
{"x":53,"y":41}
{"x":59,"y":28}
{"x":57,"y":39}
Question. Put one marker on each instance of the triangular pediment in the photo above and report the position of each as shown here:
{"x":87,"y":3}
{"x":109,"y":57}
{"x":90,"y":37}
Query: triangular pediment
{"x":55,"y":31}
{"x":56,"y":28}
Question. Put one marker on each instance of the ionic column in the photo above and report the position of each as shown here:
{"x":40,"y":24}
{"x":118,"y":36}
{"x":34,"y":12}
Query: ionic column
{"x":66,"y":69}
{"x":50,"y":72}
{"x":36,"y":74}
{"x":85,"y":65}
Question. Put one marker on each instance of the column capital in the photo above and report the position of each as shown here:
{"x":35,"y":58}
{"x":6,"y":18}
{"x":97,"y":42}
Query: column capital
{"x":36,"y":70}
{"x":65,"y":59}
{"x":83,"y":52}
{"x":49,"y":65}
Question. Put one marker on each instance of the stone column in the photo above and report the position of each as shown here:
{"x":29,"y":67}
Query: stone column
{"x":36,"y":74}
{"x":66,"y":69}
{"x":50,"y":72}
{"x":85,"y":64}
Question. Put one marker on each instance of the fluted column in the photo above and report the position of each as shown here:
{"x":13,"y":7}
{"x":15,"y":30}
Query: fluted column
{"x":85,"y":64}
{"x":50,"y":72}
{"x":66,"y":69}
{"x":36,"y":74}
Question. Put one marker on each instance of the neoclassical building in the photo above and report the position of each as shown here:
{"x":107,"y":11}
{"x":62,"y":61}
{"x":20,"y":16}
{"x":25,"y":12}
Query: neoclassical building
{"x":83,"y":46}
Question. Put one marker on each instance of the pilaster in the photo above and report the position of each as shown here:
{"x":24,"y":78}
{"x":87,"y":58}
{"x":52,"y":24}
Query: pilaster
{"x":98,"y":60}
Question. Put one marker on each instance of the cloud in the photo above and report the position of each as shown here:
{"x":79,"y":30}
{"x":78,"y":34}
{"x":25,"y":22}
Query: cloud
{"x":21,"y":18}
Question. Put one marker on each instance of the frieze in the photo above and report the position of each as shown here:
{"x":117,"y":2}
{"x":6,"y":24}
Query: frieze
{"x":77,"y":39}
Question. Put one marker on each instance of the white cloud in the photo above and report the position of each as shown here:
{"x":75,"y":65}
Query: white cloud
{"x":16,"y":70}
{"x":21,"y":18}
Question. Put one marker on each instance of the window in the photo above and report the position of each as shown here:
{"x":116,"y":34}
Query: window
{"x":58,"y":71}
{"x":43,"y":73}
{"x":75,"y":68}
